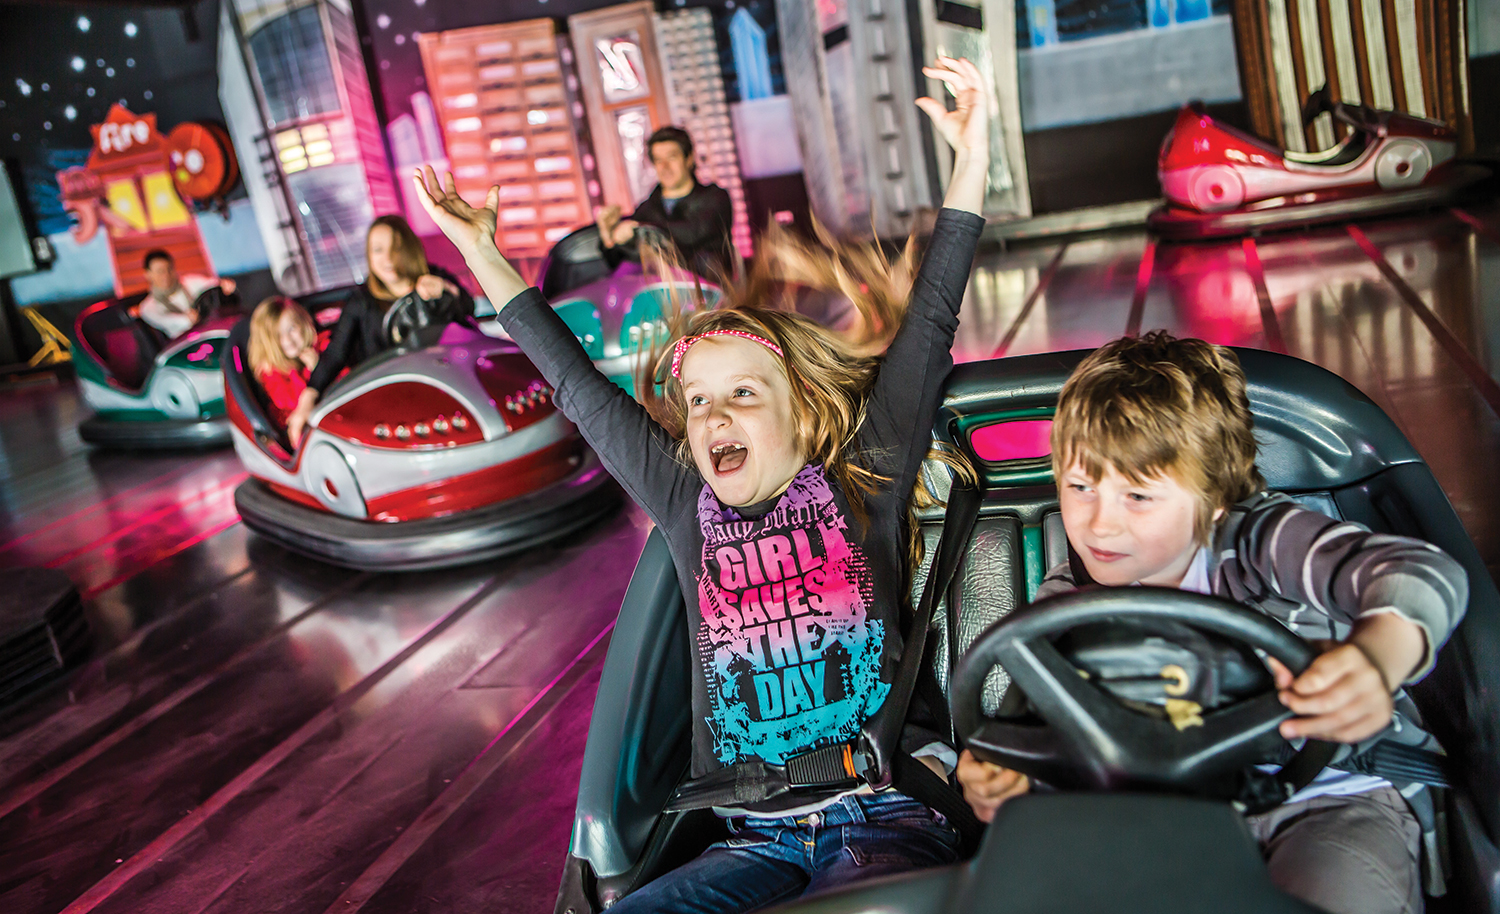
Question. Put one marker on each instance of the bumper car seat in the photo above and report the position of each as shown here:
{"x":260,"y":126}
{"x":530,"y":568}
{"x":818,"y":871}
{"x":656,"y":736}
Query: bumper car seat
{"x":245,"y":395}
{"x":576,"y":260}
{"x":1322,"y":441}
{"x":126,"y":346}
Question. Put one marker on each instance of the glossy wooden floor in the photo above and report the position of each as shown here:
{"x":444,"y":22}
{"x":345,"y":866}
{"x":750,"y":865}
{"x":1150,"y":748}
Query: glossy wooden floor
{"x":257,"y":732}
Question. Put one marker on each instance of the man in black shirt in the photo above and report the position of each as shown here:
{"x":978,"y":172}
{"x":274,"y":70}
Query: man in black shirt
{"x":695,"y":216}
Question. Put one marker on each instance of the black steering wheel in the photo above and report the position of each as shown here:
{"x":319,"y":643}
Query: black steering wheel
{"x":406,"y":315}
{"x":1086,"y":738}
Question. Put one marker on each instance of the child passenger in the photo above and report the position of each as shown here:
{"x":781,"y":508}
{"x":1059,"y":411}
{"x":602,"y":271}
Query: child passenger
{"x":1154,"y":456}
{"x":781,"y":484}
{"x":283,"y":353}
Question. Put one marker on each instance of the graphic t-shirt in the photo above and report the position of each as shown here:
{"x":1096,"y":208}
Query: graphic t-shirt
{"x":793,"y":605}
{"x":789,"y":650}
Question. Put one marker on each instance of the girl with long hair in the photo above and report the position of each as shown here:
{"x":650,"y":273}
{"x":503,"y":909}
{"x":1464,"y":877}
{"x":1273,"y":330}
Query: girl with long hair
{"x":283,"y":352}
{"x":779,"y":469}
{"x":398,"y":268}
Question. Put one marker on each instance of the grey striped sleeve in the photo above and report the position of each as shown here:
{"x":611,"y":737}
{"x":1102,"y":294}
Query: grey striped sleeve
{"x":1345,"y":572}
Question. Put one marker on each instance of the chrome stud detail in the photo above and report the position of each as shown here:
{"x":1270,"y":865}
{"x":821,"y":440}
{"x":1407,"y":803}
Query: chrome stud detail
{"x":440,"y":425}
{"x":403,"y":433}
{"x":382,"y":431}
{"x":460,"y":421}
{"x":422,"y":429}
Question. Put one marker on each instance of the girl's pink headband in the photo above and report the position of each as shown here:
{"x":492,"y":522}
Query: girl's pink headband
{"x":680,"y":350}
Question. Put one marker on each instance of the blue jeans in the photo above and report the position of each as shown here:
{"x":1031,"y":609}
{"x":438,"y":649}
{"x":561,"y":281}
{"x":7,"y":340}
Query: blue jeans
{"x":766,"y":861}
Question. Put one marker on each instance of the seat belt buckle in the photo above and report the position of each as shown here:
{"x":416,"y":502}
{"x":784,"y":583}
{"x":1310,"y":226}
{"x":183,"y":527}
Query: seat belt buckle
{"x":830,"y":766}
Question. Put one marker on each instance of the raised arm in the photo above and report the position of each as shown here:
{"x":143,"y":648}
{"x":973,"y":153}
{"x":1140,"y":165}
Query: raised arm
{"x":637,"y":451}
{"x":918,"y":360}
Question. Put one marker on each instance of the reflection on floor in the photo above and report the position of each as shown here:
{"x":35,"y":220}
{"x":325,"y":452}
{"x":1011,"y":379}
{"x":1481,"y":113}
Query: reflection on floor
{"x":258,"y":731}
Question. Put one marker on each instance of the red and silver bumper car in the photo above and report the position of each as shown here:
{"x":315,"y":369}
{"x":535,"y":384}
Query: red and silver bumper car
{"x":1219,"y":181}
{"x":419,"y":458}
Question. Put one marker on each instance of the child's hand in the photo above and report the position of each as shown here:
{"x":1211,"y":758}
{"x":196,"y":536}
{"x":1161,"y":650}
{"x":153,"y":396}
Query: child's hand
{"x":623,"y":231}
{"x":967,"y":128}
{"x":987,"y":786}
{"x":609,"y":217}
{"x":1341,"y":697}
{"x":1345,"y":696}
{"x":471,"y":230}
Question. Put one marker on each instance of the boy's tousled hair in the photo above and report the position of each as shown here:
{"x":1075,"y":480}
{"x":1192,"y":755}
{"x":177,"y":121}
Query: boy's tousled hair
{"x":671,"y":134}
{"x":1159,"y":405}
{"x":265,"y":342}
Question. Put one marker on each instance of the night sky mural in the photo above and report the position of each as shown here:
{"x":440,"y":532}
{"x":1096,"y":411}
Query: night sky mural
{"x":65,"y":65}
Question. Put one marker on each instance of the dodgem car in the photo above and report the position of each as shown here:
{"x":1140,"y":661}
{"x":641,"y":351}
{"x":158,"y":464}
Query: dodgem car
{"x":1174,"y":842}
{"x":1219,"y":181}
{"x":445,"y":450}
{"x":147,"y":391}
{"x":616,"y":314}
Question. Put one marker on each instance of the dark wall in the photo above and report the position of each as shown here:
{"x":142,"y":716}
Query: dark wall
{"x":1484,"y":98}
{"x":1104,"y":163}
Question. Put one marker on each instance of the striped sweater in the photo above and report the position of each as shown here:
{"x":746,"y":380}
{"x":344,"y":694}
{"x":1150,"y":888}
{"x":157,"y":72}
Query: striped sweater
{"x":1318,"y":576}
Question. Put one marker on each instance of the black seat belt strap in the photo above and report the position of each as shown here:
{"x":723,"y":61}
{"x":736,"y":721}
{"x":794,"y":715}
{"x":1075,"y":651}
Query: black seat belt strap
{"x":882,"y":732}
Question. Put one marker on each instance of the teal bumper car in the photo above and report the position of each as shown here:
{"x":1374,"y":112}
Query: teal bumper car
{"x":617,"y":314}
{"x":148,"y":392}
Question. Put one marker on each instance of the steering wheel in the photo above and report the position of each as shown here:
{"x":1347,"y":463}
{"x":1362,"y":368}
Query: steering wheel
{"x":1087,"y":739}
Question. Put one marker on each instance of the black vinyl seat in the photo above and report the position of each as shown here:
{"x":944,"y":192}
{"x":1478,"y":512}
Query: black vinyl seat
{"x":125,"y":346}
{"x":576,"y":260}
{"x":1321,"y":441}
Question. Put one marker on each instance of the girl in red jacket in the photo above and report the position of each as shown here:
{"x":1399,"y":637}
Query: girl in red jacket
{"x":284,"y":347}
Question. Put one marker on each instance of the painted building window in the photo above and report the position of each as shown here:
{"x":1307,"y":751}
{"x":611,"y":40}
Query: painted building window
{"x":291,"y":58}
{"x":621,"y":67}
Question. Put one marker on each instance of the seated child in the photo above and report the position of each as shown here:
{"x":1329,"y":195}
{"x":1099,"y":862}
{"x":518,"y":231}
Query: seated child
{"x":1154,"y":455}
{"x":779,"y":471}
{"x":284,"y":347}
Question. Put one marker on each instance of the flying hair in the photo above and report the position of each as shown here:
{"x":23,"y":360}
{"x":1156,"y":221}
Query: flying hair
{"x":265,"y":345}
{"x":830,"y":371}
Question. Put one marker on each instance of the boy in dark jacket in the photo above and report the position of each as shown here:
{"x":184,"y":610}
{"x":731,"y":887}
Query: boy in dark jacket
{"x":697,"y":217}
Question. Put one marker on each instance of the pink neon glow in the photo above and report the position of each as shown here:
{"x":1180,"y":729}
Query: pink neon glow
{"x":1023,"y":439}
{"x":201,"y":353}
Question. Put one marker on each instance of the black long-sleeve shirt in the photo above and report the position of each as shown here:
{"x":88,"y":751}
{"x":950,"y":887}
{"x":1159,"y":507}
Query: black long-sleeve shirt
{"x":698,"y":224}
{"x":794,"y":606}
{"x":361,"y":334}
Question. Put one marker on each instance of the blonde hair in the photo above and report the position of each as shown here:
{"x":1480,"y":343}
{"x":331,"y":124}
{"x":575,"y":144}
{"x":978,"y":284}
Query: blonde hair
{"x":407,"y":255}
{"x":830,"y":372}
{"x":265,"y":336}
{"x":1158,"y":406}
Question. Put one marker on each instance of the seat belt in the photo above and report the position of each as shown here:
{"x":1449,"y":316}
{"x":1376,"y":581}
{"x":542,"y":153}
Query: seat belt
{"x":881,"y":733}
{"x":872,"y":756}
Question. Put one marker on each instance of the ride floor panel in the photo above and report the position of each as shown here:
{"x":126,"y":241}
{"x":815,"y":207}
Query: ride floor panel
{"x":258,"y":731}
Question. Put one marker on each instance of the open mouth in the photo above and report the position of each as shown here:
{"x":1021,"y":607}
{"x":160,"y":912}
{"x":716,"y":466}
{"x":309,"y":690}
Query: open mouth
{"x":728,"y":456}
